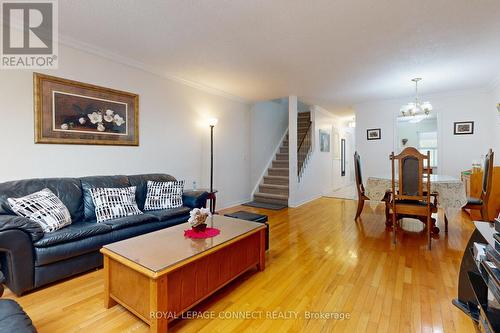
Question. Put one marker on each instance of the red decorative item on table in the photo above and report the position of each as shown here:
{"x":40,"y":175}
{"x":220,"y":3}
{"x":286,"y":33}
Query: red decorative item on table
{"x":207,"y":233}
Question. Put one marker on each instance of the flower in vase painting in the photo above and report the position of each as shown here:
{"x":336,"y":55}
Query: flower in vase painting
{"x":108,"y":116}
{"x":118,"y":120}
{"x":95,"y":117}
{"x":100,"y":127}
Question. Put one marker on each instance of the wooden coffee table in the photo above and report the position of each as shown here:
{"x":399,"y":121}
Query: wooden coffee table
{"x":160,"y":275}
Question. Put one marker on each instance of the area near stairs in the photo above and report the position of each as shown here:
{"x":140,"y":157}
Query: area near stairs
{"x":274,"y":186}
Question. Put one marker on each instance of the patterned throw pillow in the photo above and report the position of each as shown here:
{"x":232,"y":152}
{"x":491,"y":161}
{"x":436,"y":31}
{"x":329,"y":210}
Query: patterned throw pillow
{"x":164,"y":195}
{"x":44,"y":208}
{"x":113,"y":203}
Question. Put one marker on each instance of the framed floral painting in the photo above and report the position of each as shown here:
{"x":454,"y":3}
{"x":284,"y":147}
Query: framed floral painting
{"x":71,"y":112}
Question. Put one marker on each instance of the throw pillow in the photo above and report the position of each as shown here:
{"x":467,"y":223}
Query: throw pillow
{"x":43,"y":207}
{"x":164,"y":195}
{"x":113,"y":203}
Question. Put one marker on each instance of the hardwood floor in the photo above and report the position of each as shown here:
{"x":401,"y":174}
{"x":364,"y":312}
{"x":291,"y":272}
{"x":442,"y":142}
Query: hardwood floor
{"x":320,"y":261}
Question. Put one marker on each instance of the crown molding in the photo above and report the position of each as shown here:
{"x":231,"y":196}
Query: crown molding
{"x":104,"y":53}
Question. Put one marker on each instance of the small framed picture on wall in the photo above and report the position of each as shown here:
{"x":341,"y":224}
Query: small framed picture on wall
{"x":373,"y":134}
{"x":324,"y":141}
{"x":463,"y":127}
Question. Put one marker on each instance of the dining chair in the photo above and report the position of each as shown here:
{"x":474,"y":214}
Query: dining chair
{"x":361,"y":191}
{"x":412,"y":195}
{"x":359,"y":185}
{"x":481,"y":203}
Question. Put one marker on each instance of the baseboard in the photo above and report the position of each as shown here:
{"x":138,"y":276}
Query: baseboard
{"x":295,"y":205}
{"x":234,"y":204}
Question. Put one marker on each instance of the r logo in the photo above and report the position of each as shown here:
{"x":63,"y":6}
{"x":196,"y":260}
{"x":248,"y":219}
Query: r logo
{"x":28,"y":28}
{"x":29,"y":34}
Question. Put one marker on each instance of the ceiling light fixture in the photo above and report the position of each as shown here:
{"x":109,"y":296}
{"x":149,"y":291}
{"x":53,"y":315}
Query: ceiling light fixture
{"x":418,"y":110}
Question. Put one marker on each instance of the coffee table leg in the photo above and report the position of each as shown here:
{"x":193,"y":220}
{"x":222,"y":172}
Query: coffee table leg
{"x":262,"y":250}
{"x":158,"y":305}
{"x":108,"y":301}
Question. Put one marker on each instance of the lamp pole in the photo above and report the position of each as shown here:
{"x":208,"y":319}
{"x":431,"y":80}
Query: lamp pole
{"x":212,"y":158}
{"x":212,"y":122}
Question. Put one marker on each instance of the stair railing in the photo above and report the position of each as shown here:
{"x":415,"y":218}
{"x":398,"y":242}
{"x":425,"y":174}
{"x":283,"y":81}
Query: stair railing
{"x":304,"y":150}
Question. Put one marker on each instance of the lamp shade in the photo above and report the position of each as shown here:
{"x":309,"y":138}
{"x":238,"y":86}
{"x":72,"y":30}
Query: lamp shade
{"x":212,"y":121}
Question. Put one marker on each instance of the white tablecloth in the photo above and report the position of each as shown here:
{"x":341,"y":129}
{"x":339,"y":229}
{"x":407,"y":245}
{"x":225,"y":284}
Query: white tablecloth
{"x":451,"y":191}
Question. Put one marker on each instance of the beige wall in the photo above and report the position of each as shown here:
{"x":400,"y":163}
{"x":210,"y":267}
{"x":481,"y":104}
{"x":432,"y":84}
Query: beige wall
{"x":173,"y":138}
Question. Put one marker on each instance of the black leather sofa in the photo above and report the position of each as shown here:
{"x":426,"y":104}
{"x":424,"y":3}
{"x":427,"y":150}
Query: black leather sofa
{"x":30,"y":259}
{"x":12,"y":316}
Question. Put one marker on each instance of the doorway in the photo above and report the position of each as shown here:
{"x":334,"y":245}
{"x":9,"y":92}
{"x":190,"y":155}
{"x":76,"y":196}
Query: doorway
{"x":421,"y":133}
{"x":343,"y":164}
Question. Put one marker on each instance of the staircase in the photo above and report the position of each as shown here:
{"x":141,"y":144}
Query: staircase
{"x":273,"y":188}
{"x":304,"y":141}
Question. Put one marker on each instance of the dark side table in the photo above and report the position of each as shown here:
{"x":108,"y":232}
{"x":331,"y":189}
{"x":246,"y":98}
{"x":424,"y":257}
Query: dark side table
{"x":254,"y":218}
{"x":212,"y":197}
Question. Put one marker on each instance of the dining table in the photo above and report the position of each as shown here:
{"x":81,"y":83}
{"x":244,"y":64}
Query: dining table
{"x":451,"y":191}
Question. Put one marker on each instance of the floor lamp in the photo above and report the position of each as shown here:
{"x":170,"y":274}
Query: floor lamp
{"x":212,"y":122}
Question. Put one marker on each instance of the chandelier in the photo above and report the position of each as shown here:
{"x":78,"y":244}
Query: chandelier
{"x":416,"y":109}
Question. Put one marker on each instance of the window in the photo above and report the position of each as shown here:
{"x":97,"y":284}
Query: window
{"x":427,"y":141}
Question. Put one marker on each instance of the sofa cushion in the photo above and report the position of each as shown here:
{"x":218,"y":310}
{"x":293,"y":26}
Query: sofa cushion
{"x":13,"y":318}
{"x":114,"y":203}
{"x":164,"y":195}
{"x":128,"y":221}
{"x":98,"y":181}
{"x":65,"y":268}
{"x":72,"y":232}
{"x":141,"y":229}
{"x":141,"y":182}
{"x":68,"y":190}
{"x":43,"y":207}
{"x":58,"y":252}
{"x":166,"y":214}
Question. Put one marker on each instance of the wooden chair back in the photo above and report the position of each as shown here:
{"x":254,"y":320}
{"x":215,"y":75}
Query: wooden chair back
{"x":411,"y":175}
{"x":357,"y":172}
{"x":487,"y":176}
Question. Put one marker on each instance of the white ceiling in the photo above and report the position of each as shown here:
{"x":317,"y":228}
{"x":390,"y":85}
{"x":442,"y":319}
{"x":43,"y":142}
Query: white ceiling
{"x":334,"y":53}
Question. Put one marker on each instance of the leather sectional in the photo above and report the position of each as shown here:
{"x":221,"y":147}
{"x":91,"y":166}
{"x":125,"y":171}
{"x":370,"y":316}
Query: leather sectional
{"x":30,"y":259}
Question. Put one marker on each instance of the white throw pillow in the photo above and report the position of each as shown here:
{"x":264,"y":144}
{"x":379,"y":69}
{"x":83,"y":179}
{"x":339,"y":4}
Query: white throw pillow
{"x":43,"y":207}
{"x":164,"y":195}
{"x":113,"y":203}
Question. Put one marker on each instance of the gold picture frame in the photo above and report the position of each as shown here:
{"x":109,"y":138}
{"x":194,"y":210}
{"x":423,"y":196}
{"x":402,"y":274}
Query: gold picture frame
{"x":72,"y":112}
